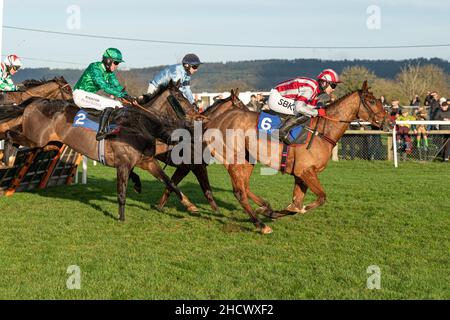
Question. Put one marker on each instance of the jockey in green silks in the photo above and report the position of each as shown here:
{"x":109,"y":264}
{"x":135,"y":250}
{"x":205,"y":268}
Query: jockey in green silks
{"x":100,"y":76}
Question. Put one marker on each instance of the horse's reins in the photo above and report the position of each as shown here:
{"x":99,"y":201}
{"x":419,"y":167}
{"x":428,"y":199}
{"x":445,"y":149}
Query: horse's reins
{"x":362,"y":100}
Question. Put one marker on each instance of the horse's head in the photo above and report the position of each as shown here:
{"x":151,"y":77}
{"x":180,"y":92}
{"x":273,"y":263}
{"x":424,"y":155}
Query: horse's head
{"x":371,"y":109}
{"x":222,"y":105}
{"x":234,"y":96}
{"x":169,"y":100}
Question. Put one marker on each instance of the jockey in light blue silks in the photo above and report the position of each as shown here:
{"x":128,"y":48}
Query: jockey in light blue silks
{"x":182,"y":72}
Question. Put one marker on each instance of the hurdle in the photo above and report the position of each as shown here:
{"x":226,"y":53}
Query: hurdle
{"x":38,"y":169}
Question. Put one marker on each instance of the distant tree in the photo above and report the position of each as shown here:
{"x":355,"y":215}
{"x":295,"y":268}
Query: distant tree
{"x":132,"y":84}
{"x":353,"y":78}
{"x":227,"y":85}
{"x":416,"y":79}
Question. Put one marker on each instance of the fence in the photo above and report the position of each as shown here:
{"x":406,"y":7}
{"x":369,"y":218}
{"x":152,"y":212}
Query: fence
{"x":379,"y":145}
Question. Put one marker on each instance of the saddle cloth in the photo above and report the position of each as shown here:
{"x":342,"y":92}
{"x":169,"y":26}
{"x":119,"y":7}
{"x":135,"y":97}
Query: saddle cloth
{"x":270,"y":120}
{"x":84,"y":119}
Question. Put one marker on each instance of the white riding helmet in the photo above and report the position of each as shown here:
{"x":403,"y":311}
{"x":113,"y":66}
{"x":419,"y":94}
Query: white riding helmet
{"x":13,"y":61}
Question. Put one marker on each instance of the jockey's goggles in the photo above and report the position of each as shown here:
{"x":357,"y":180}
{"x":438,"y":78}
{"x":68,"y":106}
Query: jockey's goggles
{"x":195,"y":67}
{"x":116,"y":62}
{"x":15,"y":68}
{"x":333,"y":85}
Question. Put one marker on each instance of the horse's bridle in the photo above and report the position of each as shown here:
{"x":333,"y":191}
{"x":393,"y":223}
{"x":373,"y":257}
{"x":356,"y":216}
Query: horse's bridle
{"x":362,"y":101}
{"x":372,"y":114}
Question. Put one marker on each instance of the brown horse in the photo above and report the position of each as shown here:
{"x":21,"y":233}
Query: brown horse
{"x":164,"y":152}
{"x":303,"y":163}
{"x":57,"y":88}
{"x":13,"y":104}
{"x":46,"y":121}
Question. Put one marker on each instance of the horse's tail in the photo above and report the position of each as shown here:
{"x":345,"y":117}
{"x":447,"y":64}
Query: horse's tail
{"x":10,"y":112}
{"x":151,"y":125}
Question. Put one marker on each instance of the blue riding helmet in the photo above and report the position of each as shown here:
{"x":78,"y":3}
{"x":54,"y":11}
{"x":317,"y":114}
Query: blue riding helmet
{"x":191,"y":59}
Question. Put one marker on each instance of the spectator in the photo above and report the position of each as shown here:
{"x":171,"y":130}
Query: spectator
{"x":434,"y":105}
{"x":403,"y":138}
{"x":395,"y":109}
{"x":415,"y":101}
{"x":384,"y":102}
{"x":428,"y":99}
{"x":253,"y":104}
{"x":444,"y":115}
{"x":260,"y":102}
{"x":420,"y":130}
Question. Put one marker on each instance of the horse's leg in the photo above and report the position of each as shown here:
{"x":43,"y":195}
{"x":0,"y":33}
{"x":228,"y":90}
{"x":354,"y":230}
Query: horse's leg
{"x":155,"y":169}
{"x":298,"y":195}
{"x":123,"y":173}
{"x":264,"y":205}
{"x":9,"y":149}
{"x":136,"y":180}
{"x":311,"y":180}
{"x":202,"y":176}
{"x":238,"y":180}
{"x":177,"y":176}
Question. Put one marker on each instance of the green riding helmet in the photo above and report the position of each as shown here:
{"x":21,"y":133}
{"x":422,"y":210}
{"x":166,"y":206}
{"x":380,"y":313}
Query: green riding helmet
{"x":114,"y":54}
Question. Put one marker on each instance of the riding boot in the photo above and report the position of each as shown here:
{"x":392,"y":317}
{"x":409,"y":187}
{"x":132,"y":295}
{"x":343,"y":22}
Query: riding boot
{"x":288,"y":125}
{"x":102,"y":132}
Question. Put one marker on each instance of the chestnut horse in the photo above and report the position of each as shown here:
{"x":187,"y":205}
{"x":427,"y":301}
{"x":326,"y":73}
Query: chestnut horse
{"x":303,"y":163}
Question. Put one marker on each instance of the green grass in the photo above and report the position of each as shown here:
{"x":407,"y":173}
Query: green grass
{"x":397,"y":219}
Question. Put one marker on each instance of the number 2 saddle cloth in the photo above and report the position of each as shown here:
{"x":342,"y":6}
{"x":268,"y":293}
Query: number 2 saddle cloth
{"x":270,"y":120}
{"x":89,"y":119}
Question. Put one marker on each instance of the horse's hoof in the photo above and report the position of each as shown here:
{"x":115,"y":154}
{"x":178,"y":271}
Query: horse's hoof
{"x":303,"y":210}
{"x":193,"y":209}
{"x":138,"y":189}
{"x":266,"y":230}
{"x":159,"y":208}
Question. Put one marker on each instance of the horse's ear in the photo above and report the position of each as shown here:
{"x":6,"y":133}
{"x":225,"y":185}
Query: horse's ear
{"x":236,"y":92}
{"x":232,"y":92}
{"x":178,"y":83}
{"x":365,"y":88}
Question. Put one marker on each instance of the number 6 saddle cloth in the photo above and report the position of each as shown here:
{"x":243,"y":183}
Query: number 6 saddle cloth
{"x":269,"y":121}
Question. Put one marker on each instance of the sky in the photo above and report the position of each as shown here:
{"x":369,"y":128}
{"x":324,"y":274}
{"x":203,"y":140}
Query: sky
{"x":239,"y":22}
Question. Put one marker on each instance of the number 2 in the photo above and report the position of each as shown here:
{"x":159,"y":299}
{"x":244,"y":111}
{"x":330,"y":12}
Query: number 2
{"x":80,"y":119}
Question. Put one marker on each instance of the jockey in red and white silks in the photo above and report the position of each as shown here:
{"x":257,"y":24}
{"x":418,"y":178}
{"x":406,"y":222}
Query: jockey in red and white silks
{"x":299,"y":97}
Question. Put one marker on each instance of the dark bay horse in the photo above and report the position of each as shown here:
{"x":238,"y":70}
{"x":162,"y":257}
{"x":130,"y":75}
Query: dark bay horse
{"x":304,"y":164}
{"x":46,"y":121}
{"x":188,"y":112}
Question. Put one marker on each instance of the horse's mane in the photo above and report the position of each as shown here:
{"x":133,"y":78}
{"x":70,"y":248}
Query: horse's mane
{"x":150,"y":125}
{"x":215,"y":104}
{"x":339,"y":100}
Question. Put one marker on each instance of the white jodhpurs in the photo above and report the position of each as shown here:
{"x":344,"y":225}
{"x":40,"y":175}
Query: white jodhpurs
{"x":280,"y":104}
{"x":84,"y":99}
